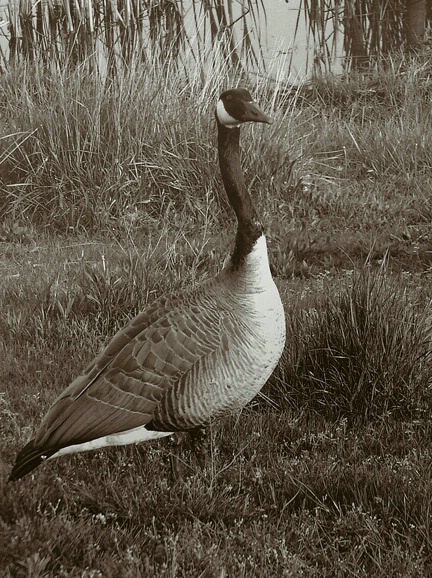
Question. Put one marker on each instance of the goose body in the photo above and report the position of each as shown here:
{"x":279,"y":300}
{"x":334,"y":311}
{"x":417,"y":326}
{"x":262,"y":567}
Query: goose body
{"x":188,"y":358}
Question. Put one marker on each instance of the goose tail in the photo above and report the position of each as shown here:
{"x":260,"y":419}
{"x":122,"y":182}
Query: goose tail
{"x":29,"y":458}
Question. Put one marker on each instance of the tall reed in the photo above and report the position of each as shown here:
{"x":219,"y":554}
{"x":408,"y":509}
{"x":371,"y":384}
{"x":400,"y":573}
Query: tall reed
{"x":368,"y":30}
{"x":108,"y":34}
{"x":105,"y":146}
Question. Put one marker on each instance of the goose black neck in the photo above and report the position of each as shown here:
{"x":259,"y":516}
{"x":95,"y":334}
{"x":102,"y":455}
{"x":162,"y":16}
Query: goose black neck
{"x":249,"y":228}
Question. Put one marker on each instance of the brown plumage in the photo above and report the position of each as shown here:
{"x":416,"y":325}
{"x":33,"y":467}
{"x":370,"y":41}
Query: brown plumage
{"x":188,"y":358}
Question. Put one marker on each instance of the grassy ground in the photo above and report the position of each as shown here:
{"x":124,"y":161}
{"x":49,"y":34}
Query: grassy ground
{"x":112,"y":197}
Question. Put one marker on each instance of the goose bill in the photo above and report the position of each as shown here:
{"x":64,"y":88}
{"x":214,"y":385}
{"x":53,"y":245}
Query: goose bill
{"x":253,"y":114}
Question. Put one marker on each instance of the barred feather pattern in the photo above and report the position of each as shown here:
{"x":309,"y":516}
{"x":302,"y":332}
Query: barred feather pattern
{"x":188,"y":358}
{"x":181,"y":363}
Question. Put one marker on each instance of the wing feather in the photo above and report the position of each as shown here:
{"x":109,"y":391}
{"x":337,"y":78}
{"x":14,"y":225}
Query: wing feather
{"x":122,"y":387}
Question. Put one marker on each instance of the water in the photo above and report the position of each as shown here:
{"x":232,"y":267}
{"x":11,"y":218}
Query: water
{"x":283,"y":38}
{"x":283,"y":43}
{"x":286,"y":52}
{"x":284,"y":49}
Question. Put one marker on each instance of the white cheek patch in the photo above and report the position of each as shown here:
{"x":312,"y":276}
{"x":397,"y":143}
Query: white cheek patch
{"x":225,"y":118}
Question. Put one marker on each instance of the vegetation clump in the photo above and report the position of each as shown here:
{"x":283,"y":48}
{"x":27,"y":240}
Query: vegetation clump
{"x":360,"y":350}
{"x":111,"y":197}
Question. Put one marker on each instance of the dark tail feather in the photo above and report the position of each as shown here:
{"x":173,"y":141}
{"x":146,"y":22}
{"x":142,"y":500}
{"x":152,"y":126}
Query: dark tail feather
{"x":28,"y":459}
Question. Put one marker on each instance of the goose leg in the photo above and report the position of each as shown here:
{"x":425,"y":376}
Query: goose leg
{"x":196,"y":442}
{"x":175,"y":462}
{"x":200,"y":442}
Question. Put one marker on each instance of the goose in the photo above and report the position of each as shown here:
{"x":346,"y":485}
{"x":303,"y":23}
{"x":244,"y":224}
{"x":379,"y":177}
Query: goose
{"x":189,"y":357}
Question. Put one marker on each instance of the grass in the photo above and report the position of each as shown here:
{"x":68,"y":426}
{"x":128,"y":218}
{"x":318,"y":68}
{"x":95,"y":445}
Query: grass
{"x":99,"y":37}
{"x":359,"y":350}
{"x":112,"y":197}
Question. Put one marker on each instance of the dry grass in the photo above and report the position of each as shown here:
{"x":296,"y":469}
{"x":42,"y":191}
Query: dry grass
{"x":326,"y":475}
{"x":109,"y":38}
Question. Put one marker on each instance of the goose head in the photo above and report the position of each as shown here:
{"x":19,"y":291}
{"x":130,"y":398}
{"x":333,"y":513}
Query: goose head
{"x":236,"y":106}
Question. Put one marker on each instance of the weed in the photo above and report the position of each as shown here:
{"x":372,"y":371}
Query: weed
{"x":110,"y":200}
{"x":361,"y":351}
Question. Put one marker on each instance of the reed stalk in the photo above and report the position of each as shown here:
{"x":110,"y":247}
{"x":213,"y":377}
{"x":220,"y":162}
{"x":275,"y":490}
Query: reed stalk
{"x":368,"y":30}
{"x":109,"y":34}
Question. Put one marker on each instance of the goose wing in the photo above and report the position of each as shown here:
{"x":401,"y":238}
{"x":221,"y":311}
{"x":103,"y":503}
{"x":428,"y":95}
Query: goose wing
{"x":120,"y":389}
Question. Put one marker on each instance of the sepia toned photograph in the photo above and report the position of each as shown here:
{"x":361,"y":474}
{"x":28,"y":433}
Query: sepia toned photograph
{"x":215,"y":289}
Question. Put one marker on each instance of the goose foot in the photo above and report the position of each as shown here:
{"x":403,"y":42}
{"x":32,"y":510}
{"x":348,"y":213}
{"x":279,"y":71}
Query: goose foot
{"x":200,"y":445}
{"x":196,"y":442}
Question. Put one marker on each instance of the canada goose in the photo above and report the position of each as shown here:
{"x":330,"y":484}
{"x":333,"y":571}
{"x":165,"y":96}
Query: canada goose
{"x":188,"y":358}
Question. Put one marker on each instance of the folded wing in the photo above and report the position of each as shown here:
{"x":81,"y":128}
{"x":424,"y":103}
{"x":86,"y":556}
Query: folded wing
{"x":121,"y":388}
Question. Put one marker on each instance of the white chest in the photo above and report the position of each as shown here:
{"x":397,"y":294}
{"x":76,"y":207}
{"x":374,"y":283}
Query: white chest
{"x":259,"y":294}
{"x":260,"y":307}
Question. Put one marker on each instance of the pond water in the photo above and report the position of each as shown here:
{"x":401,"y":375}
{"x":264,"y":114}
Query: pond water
{"x":282,"y":37}
{"x":283,"y":46}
